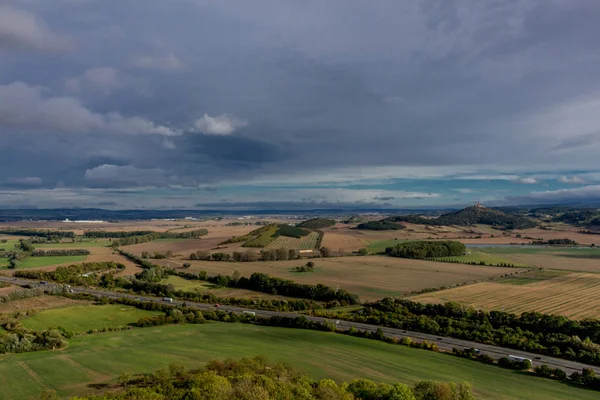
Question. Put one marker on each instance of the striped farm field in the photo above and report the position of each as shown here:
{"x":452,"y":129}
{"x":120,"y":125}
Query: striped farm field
{"x":573,"y":295}
{"x":307,"y":242}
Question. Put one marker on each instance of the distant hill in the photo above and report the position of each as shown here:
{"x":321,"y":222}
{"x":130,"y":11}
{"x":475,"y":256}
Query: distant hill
{"x":579,"y":217}
{"x":355,"y":219}
{"x":317,"y":223}
{"x":467,"y":216}
{"x":486,"y":216}
{"x":382,"y":225}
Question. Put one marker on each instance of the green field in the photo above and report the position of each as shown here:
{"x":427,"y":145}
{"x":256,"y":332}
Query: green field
{"x":532,"y":277}
{"x":9,"y":245}
{"x":74,"y":245}
{"x":3,"y":262}
{"x":264,"y":238}
{"x":478,"y":256}
{"x":380,"y":245}
{"x":100,"y":358}
{"x":578,"y":252}
{"x":187,"y":285}
{"x":84,"y":318}
{"x":36,"y":262}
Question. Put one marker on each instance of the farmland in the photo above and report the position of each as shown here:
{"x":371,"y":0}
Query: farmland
{"x":573,"y":295}
{"x":337,"y":241}
{"x":37,"y":262}
{"x":38,"y":303}
{"x":307,"y":242}
{"x":487,"y":258}
{"x":82,"y":318}
{"x":209,"y":288}
{"x":101,"y":358}
{"x":573,"y":259}
{"x":371,"y":277}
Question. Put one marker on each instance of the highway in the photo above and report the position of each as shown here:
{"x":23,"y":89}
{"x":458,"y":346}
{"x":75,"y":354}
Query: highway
{"x":443,"y":343}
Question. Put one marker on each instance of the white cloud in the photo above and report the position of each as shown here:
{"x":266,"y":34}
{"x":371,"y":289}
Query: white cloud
{"x":585,"y":193}
{"x":571,"y":180}
{"x":526,"y":181}
{"x":20,"y":29}
{"x":224,"y":124}
{"x":161,"y":63}
{"x":466,"y":190}
{"x":24,"y":108}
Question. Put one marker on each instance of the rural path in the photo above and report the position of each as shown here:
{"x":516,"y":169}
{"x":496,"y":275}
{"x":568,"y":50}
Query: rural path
{"x":443,"y":343}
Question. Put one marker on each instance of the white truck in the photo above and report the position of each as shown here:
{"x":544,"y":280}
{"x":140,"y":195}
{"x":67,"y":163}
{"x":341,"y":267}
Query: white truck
{"x":169,"y":299}
{"x":519,"y":359}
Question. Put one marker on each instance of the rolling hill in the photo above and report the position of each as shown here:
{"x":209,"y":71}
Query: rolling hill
{"x":467,"y":216}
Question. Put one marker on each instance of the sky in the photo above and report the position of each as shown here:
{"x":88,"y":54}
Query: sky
{"x":199,"y":104}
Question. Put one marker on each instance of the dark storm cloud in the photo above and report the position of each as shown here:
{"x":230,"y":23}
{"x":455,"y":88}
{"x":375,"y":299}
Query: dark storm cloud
{"x":196,"y":93}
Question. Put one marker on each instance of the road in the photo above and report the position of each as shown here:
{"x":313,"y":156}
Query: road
{"x":443,"y":343}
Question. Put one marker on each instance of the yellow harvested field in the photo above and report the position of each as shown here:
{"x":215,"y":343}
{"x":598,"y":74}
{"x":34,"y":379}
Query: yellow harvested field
{"x":573,"y":295}
{"x":336,"y":241}
{"x":371,"y":277}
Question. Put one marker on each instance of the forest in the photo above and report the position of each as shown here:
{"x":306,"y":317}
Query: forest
{"x":424,"y":249}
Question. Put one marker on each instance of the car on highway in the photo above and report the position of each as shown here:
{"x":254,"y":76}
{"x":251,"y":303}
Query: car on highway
{"x":43,"y":283}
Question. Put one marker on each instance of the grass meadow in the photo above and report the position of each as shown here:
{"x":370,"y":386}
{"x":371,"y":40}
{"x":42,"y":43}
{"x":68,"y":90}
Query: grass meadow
{"x":100,"y":358}
{"x":85,"y":317}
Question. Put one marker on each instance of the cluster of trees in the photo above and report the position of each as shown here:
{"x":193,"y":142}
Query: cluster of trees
{"x":114,"y":234}
{"x":20,"y":341}
{"x":317,"y":223}
{"x":290,"y":231}
{"x":424,"y":249}
{"x":308,"y":267}
{"x":157,"y":255}
{"x":85,"y":274}
{"x":268,"y":284}
{"x":184,"y":235}
{"x":60,"y":252}
{"x":257,"y":379}
{"x":551,"y":335}
{"x":21,"y":294}
{"x":382,"y":225}
{"x":556,"y":242}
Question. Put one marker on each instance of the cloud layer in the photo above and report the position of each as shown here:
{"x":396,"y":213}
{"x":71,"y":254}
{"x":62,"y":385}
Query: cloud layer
{"x":421,"y":103}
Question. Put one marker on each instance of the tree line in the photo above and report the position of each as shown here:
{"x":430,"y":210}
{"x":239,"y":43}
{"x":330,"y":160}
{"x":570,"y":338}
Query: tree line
{"x":551,"y":335}
{"x":39,"y":233}
{"x":425,"y":249}
{"x":148,"y":237}
{"x":84,"y":274}
{"x":60,"y":252}
{"x":114,"y":234}
{"x":268,"y":284}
